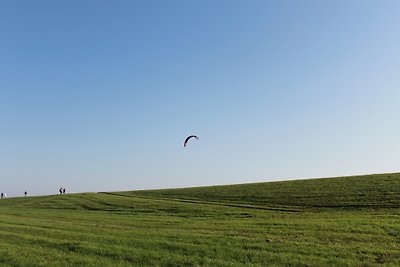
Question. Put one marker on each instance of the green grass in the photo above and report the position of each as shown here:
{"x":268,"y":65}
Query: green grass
{"x":347,"y":221}
{"x":369,"y":191}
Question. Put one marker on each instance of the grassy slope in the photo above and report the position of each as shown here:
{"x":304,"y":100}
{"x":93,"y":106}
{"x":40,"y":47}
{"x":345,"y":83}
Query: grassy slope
{"x":370,"y":191}
{"x":349,"y":221}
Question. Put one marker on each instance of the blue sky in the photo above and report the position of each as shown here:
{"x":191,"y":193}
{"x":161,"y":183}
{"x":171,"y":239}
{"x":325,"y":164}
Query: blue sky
{"x":99,"y":95}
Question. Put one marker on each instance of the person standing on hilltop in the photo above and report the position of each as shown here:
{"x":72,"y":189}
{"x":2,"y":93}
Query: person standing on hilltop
{"x":63,"y":191}
{"x":60,"y":191}
{"x":26,"y":193}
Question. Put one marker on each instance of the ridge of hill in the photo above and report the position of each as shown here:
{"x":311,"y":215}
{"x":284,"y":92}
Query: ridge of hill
{"x":375,"y":191}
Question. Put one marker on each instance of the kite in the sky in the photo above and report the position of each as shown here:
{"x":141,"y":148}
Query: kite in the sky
{"x":188,"y":138}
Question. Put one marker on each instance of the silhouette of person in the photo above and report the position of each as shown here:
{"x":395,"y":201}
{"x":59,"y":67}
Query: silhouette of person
{"x":26,"y":193}
{"x":63,"y":190}
{"x":60,"y":190}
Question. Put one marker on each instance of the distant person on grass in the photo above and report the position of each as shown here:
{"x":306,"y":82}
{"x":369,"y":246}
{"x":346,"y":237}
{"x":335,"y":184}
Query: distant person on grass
{"x":63,"y":190}
{"x":26,"y":193}
{"x":60,"y":190}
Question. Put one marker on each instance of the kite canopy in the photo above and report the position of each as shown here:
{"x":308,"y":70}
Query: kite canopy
{"x":188,"y":138}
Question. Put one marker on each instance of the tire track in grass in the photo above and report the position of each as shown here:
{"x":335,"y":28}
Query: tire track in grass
{"x":225,"y":204}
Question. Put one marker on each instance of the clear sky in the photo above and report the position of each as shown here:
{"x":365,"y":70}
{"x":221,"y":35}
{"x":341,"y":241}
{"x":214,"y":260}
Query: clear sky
{"x":99,"y":95}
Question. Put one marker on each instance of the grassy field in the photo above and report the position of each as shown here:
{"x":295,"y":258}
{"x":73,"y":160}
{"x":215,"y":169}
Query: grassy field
{"x":347,"y":221}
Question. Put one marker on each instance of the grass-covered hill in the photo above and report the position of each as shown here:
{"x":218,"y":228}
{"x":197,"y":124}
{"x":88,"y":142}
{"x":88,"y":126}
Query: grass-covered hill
{"x":352,"y":192}
{"x":346,"y":221}
{"x":368,"y":191}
